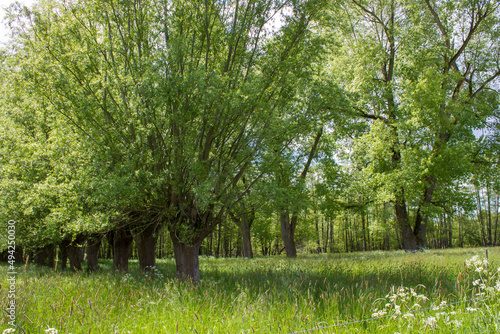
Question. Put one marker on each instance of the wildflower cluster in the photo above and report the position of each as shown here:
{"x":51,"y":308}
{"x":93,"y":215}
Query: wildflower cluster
{"x":477,"y":279}
{"x":400,"y":301}
{"x":51,"y":331}
{"x":485,"y":282}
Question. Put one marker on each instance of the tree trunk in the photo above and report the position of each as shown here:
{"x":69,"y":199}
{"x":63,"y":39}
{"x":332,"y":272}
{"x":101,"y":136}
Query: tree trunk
{"x":318,"y":241}
{"x":186,"y":259}
{"x":74,"y":257}
{"x":93,"y":246}
{"x":450,"y":231}
{"x":332,"y":236}
{"x":489,"y":226}
{"x":122,"y":242}
{"x":496,"y":225}
{"x":363,"y":227}
{"x":246,"y":238}
{"x":244,"y":222}
{"x":481,"y":220}
{"x":63,"y":254}
{"x":46,"y":256}
{"x":145,"y":241}
{"x":219,"y":235}
{"x":288,"y":232}
{"x":407,"y":237}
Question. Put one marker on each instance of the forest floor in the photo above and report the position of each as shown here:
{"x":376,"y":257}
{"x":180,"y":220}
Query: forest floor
{"x":437,"y":291}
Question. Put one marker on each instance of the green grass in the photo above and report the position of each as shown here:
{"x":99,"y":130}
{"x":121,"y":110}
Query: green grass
{"x":262,"y":295}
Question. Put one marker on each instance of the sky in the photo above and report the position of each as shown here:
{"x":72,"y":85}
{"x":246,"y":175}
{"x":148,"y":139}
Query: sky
{"x":4,"y":31}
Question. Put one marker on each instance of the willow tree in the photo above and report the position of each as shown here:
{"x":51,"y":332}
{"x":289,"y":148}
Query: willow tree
{"x":176,"y":97}
{"x":421,"y":73}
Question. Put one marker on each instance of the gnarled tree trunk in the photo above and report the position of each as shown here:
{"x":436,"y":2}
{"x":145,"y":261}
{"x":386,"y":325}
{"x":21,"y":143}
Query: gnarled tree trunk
{"x":145,"y":241}
{"x":63,"y":253}
{"x":186,"y":259}
{"x":93,"y":246}
{"x":122,"y":242}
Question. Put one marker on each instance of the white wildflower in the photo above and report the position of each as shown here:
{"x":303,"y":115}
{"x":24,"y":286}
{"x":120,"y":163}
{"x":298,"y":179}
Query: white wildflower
{"x":51,"y":331}
{"x":8,"y":330}
{"x":431,"y":322}
{"x":422,"y":297}
{"x":476,"y":282}
{"x":409,"y":315}
{"x":380,"y":313}
{"x":471,"y":309}
{"x":479,"y":269}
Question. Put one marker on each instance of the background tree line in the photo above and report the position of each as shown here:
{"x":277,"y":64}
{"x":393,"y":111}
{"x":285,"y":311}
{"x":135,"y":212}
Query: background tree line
{"x":233,"y":128}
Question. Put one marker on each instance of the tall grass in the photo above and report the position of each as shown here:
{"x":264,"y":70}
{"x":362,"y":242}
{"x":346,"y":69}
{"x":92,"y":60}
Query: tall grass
{"x":268,"y":295}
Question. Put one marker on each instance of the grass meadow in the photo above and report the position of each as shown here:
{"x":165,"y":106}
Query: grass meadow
{"x":438,"y":291}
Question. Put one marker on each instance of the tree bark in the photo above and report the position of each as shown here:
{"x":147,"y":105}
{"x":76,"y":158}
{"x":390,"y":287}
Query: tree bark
{"x":244,"y":222}
{"x":496,"y":225}
{"x":186,"y":259}
{"x":450,"y":231}
{"x":332,"y":235}
{"x":74,"y":256}
{"x":63,"y":255}
{"x":122,"y":241}
{"x":481,"y":220}
{"x":46,"y":256}
{"x":246,"y":239}
{"x":145,"y":241}
{"x":364,"y":230}
{"x":489,"y":226}
{"x":407,"y":237}
{"x":288,"y":232}
{"x":93,"y":246}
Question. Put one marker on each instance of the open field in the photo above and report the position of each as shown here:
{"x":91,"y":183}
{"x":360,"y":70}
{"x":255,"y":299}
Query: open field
{"x":269,"y":295}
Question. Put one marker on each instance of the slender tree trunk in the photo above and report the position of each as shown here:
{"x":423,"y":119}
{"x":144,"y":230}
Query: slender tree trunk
{"x":490,"y":237}
{"x":496,"y":224}
{"x":331,"y":242}
{"x":450,"y":231}
{"x":481,"y":220}
{"x":363,"y":227}
{"x":346,"y":236}
{"x":288,"y":232}
{"x":368,"y":239}
{"x":93,"y":246}
{"x":145,"y":241}
{"x":219,"y":236}
{"x":122,"y":243}
{"x":318,"y":242}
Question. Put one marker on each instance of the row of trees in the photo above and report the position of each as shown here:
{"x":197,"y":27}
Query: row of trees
{"x":128,"y":120}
